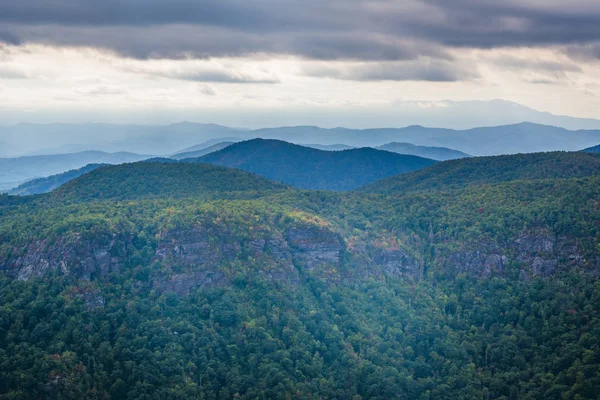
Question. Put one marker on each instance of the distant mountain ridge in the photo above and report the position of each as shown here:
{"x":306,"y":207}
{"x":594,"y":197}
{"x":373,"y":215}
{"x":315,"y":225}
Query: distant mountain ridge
{"x":309,"y":168}
{"x":21,"y":169}
{"x":201,"y":152}
{"x":164,"y":140}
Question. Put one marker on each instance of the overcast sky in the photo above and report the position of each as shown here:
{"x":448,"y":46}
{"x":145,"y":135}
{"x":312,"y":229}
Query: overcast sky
{"x":149,"y":60}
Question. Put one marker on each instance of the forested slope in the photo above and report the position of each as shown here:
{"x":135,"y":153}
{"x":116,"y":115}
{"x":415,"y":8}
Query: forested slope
{"x":481,"y":170}
{"x":174,"y":281}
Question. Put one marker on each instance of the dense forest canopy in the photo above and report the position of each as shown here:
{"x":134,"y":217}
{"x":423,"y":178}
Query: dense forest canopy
{"x":476,"y":279}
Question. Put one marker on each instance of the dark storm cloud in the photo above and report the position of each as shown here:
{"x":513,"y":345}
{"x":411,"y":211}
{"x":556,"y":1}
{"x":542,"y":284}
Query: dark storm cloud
{"x":330,"y":30}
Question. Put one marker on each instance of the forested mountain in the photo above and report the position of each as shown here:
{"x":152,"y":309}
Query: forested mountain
{"x":480,"y":170}
{"x":20,"y":169}
{"x":310,"y":168}
{"x":434,"y":153}
{"x":185,"y":280}
{"x":201,"y":152}
{"x":45,"y":185}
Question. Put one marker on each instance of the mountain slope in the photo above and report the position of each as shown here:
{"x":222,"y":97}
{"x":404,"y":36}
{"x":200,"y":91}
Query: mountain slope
{"x":309,"y":168}
{"x":481,"y":170}
{"x":484,"y":291}
{"x":163,"y":180}
{"x":434,"y":153}
{"x":45,"y":185}
{"x":593,"y":149}
{"x":201,"y":152}
{"x":30,"y":167}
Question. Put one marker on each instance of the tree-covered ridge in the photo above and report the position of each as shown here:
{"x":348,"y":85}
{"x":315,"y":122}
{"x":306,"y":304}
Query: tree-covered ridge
{"x":146,"y":180}
{"x":195,"y":288}
{"x":309,"y":168}
{"x":481,"y":170}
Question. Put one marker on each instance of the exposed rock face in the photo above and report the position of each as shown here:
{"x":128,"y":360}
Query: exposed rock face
{"x":314,"y":248}
{"x":197,"y":248}
{"x":396,"y":263}
{"x":487,"y":261}
{"x":536,"y":253}
{"x":206,"y":256}
{"x":71,"y":254}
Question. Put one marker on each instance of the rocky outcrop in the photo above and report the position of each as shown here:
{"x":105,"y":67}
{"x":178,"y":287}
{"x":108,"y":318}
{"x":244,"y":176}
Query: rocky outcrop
{"x":70,"y":254}
{"x":536,"y":253}
{"x":206,"y":256}
{"x":316,"y":251}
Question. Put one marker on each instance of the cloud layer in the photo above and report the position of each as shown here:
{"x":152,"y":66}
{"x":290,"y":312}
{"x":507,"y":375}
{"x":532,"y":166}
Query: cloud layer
{"x":376,"y":30}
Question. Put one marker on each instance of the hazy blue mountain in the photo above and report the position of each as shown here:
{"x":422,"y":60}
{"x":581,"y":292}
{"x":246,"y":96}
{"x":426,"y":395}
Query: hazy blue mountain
{"x":169,"y":139}
{"x":309,"y":168}
{"x":509,"y":139}
{"x":330,"y":147}
{"x":207,"y":144}
{"x":48,"y":184}
{"x":201,"y":152}
{"x":435,"y":153}
{"x":14,"y":171}
{"x":146,"y":139}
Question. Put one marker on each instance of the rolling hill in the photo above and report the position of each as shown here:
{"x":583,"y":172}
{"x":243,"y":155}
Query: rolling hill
{"x":143,"y":180}
{"x":484,"y":170}
{"x":309,"y":168}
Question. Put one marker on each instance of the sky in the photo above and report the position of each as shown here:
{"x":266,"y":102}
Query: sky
{"x":268,"y":62}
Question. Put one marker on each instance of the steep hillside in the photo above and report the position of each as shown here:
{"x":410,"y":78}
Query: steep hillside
{"x":144,"y":180}
{"x":45,"y":185}
{"x":479,"y":170}
{"x":309,"y":168}
{"x":434,"y":153}
{"x":21,"y":169}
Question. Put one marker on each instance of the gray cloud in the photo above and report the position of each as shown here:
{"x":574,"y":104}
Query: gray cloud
{"x":420,"y":70}
{"x":331,"y":30}
{"x":511,"y":62}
